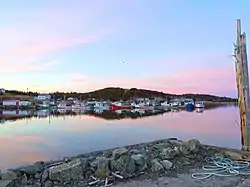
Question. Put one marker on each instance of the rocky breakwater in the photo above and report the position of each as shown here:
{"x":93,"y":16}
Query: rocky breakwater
{"x":104,"y":168}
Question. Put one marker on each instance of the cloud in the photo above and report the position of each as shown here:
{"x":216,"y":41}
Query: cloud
{"x":29,"y":67}
{"x":216,"y":80}
{"x":25,"y":57}
{"x":31,"y":34}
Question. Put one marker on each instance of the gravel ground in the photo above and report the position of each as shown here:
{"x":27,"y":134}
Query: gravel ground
{"x":186,"y":180}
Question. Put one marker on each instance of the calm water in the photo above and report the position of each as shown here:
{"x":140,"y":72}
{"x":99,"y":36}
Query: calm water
{"x":42,"y":138}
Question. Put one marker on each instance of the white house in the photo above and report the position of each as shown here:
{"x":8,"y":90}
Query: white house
{"x":2,"y":90}
{"x":43,"y":97}
{"x":11,"y":102}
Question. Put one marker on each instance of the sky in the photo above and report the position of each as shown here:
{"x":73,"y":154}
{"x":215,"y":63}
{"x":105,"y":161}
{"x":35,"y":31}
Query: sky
{"x":178,"y":46}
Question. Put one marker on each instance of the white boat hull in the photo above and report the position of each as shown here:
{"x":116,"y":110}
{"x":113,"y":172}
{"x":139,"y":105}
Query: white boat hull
{"x":199,"y":105}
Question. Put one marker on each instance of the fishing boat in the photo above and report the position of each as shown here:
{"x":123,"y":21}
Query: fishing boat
{"x":63,"y":105}
{"x":165,"y":104}
{"x":174,"y":104}
{"x":101,"y":106}
{"x":189,"y":106}
{"x":142,"y":105}
{"x":44,"y":106}
{"x":96,"y":105}
{"x":79,"y":106}
{"x":199,"y":104}
{"x":120,"y":106}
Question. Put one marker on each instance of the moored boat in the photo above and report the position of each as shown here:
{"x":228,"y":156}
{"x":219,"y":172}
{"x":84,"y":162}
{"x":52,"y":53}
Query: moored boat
{"x":45,"y":106}
{"x":64,"y":105}
{"x":79,"y":106}
{"x":143,"y":105}
{"x":120,"y":106}
{"x":199,"y":104}
{"x":190,"y":106}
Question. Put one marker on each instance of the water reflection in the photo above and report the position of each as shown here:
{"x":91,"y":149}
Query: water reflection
{"x":105,"y":114}
{"x":30,"y":138}
{"x":199,"y":110}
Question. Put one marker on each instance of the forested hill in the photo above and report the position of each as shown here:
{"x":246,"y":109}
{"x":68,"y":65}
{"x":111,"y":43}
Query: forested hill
{"x":125,"y":94}
{"x":117,"y":93}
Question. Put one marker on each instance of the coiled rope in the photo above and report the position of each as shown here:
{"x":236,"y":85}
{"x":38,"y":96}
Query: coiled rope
{"x":223,"y":167}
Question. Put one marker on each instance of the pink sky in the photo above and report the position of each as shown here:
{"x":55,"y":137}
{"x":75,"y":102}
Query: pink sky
{"x":80,"y":46}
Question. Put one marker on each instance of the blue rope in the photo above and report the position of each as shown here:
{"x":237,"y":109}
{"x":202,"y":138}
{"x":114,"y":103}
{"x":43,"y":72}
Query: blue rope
{"x":222,"y":167}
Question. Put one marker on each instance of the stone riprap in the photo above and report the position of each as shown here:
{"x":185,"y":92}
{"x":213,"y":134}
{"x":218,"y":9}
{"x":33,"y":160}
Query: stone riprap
{"x":105,"y":168}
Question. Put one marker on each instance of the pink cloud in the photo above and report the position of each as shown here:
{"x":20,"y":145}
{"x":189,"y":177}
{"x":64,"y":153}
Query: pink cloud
{"x":217,"y":80}
{"x":23,"y":58}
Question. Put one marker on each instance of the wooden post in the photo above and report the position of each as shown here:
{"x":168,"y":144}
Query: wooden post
{"x":242,"y":79}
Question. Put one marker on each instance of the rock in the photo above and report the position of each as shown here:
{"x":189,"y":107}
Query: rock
{"x":9,"y":175}
{"x":194,"y":145}
{"x":48,"y":184}
{"x":161,"y":146}
{"x":102,"y":167}
{"x":176,"y":142}
{"x":156,"y":166}
{"x":135,"y":151}
{"x":31,"y":170}
{"x":125,"y":165}
{"x":168,"y":153}
{"x":129,"y":167}
{"x":119,"y":152}
{"x":7,"y":183}
{"x":37,"y":176}
{"x":45,"y":175}
{"x":24,"y":180}
{"x":107,"y":154}
{"x":94,"y":164}
{"x":166,"y":164}
{"x":184,"y":150}
{"x":37,"y":184}
{"x":233,"y":154}
{"x":140,"y":162}
{"x":73,"y":170}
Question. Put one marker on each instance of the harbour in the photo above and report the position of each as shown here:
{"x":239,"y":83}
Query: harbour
{"x":30,"y":136}
{"x":124,"y":99}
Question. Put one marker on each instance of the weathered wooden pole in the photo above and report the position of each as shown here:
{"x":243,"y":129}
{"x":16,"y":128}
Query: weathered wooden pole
{"x":242,"y":79}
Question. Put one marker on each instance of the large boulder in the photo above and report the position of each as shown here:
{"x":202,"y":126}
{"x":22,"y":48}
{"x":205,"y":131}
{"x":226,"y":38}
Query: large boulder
{"x":73,"y":170}
{"x":125,"y":165}
{"x":193,"y":145}
{"x":117,"y":153}
{"x":102,"y":167}
{"x":9,"y":175}
{"x":31,"y":170}
{"x":168,"y":153}
{"x":166,"y":164}
{"x":156,"y":167}
{"x":140,"y":161}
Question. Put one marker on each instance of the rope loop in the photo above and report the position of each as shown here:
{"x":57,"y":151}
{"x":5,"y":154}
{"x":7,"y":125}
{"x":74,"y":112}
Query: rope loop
{"x":222,"y":167}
